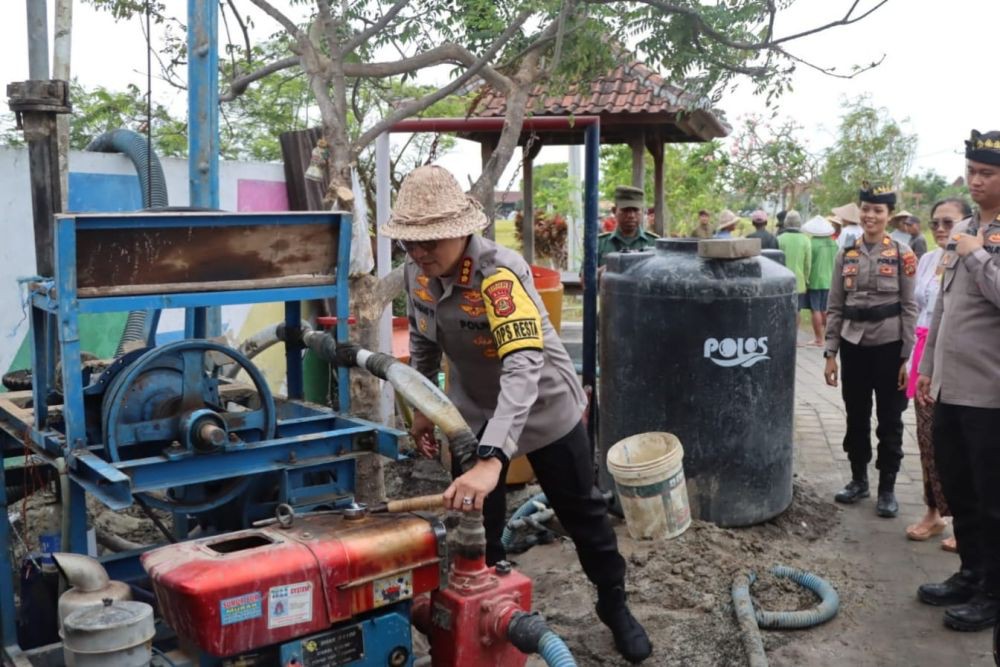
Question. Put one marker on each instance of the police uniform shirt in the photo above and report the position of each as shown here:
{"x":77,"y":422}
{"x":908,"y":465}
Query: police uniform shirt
{"x":615,"y":242}
{"x":863,"y":278}
{"x":507,"y":367}
{"x":962,"y":356}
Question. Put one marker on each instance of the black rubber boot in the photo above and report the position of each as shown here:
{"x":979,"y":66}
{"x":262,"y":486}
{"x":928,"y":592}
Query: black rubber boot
{"x":959,"y":588}
{"x":979,"y":613}
{"x":630,"y":637}
{"x":857,"y":488}
{"x":886,"y":506}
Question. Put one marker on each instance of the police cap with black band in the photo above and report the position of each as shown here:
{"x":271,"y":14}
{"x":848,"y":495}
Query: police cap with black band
{"x":983,"y":147}
{"x":877,"y":194}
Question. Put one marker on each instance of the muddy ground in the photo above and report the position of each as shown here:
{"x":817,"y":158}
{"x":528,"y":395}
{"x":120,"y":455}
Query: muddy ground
{"x":679,"y":589}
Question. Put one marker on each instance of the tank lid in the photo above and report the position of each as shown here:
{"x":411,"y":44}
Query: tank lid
{"x":728,"y":248}
{"x":677,"y":245}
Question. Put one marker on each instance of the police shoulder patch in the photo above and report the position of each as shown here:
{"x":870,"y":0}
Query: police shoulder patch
{"x":910,"y":263}
{"x":515,"y":320}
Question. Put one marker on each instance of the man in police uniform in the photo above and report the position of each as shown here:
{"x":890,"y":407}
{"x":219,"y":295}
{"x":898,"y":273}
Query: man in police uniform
{"x":960,"y":373}
{"x":629,"y":236}
{"x":510,"y":377}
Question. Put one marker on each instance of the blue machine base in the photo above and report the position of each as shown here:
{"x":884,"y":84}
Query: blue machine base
{"x":376,"y":639}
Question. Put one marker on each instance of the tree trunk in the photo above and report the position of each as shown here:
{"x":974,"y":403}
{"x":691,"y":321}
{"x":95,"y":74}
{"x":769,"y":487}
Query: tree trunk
{"x":370,"y":480}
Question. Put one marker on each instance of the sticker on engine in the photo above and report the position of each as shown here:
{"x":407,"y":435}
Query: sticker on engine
{"x":392,"y":589}
{"x":241,"y":608}
{"x":290,"y":604}
{"x":338,"y":647}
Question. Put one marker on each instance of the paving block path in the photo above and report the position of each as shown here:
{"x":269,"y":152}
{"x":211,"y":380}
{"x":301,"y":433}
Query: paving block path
{"x":891,"y":627}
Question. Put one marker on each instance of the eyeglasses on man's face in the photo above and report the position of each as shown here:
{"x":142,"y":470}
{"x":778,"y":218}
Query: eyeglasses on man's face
{"x":946,"y":223}
{"x":410,"y":246}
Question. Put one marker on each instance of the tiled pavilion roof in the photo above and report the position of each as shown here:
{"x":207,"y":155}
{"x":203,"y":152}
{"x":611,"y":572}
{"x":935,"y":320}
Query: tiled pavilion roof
{"x":630,"y":99}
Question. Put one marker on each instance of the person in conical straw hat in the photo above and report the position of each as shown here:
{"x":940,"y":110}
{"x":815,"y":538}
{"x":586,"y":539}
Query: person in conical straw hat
{"x":509,"y":375}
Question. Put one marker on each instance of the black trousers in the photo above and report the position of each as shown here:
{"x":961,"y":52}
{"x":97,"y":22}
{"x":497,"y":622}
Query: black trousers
{"x":967,"y":454}
{"x":566,"y":475}
{"x":866,"y":371}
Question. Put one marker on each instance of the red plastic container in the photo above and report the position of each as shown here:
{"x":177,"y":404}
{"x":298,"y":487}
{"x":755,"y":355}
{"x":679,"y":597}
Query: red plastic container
{"x":545,"y":278}
{"x":244,"y":590}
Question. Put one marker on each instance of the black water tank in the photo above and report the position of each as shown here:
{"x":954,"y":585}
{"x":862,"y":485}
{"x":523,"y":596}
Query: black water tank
{"x":705,"y":349}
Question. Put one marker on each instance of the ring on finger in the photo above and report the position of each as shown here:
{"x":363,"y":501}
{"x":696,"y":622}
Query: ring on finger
{"x":467,"y":500}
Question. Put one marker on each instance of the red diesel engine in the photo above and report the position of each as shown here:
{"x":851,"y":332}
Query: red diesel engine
{"x":237,"y":592}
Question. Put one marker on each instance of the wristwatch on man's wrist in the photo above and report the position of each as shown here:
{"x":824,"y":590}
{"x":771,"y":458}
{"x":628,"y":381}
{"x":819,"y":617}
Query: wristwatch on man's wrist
{"x":484,"y":452}
{"x":829,"y":354}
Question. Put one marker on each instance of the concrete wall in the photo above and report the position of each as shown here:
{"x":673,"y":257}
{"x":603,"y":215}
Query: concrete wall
{"x":107,"y":182}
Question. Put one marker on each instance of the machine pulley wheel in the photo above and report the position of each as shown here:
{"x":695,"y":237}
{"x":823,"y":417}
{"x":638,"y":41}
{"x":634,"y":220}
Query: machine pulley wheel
{"x":151,"y":401}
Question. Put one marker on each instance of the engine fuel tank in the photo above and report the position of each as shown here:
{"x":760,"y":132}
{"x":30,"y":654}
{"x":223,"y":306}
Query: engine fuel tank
{"x":252,"y":588}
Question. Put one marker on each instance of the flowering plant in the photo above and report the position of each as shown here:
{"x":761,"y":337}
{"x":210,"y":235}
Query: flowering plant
{"x":550,"y":236}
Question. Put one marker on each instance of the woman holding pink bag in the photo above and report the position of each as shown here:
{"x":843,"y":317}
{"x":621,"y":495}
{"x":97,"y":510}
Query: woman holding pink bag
{"x":944,"y":215}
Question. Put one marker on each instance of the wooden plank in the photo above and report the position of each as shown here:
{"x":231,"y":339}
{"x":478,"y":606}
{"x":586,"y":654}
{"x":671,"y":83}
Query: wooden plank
{"x":191,"y":255}
{"x":213,"y":286}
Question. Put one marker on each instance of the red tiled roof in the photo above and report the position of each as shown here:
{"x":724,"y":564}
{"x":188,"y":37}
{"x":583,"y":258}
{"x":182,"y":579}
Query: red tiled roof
{"x":631,"y":88}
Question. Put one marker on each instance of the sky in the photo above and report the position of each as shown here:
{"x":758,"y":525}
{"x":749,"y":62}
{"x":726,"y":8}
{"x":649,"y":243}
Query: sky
{"x":938,"y":77}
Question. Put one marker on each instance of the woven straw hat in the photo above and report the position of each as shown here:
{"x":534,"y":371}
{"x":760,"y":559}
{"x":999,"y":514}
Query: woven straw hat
{"x":818,"y":226}
{"x":848,"y":213}
{"x":727,"y":219}
{"x":431,"y":206}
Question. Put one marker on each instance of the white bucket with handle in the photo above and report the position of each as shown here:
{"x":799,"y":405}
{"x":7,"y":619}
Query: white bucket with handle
{"x":649,"y":475}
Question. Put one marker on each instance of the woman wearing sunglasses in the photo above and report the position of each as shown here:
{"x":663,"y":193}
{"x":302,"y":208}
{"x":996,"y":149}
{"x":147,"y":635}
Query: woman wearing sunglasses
{"x":945,"y":214}
{"x":509,"y":375}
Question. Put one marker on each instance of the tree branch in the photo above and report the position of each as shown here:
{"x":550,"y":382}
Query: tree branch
{"x":439,"y":55}
{"x":285,"y":22}
{"x":360,"y":38}
{"x":721,"y":38}
{"x":528,"y":74}
{"x":827,"y":70}
{"x":418,"y":105}
{"x":243,"y":29}
{"x":239,"y":85}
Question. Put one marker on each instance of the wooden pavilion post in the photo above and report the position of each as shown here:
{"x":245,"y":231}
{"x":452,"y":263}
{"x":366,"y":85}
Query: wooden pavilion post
{"x":486,"y":148}
{"x":638,"y":160}
{"x":655,"y":146}
{"x":528,"y":208}
{"x":528,"y":154}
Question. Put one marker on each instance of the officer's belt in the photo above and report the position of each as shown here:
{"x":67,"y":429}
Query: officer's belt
{"x":874,"y":314}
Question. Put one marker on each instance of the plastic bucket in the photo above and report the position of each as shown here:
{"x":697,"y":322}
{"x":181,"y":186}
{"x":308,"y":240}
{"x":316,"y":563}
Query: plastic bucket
{"x":548,"y":282}
{"x":649,"y":475}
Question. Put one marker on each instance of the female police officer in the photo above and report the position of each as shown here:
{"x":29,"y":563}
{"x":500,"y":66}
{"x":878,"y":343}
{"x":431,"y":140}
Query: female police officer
{"x":509,"y":376}
{"x":871,"y":318}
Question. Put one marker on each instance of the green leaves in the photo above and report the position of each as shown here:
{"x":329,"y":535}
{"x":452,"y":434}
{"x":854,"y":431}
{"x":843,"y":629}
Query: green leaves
{"x":769,"y":163}
{"x":693,"y":178}
{"x":870,"y":145}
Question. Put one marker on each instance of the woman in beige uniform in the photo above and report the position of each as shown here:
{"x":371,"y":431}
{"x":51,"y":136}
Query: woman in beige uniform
{"x":871,"y":319}
{"x":509,"y":375}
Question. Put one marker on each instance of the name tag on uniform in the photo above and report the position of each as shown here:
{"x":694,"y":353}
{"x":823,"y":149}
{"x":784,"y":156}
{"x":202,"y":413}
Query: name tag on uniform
{"x":850,"y":270}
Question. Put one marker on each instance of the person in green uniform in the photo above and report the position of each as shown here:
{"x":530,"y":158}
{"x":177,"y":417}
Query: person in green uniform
{"x":629,"y":236}
{"x":824,"y":252}
{"x":798,"y":254}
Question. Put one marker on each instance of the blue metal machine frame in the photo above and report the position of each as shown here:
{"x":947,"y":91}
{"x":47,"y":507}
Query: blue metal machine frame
{"x":308,"y":437}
